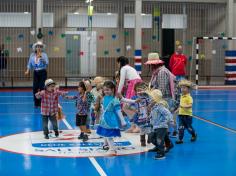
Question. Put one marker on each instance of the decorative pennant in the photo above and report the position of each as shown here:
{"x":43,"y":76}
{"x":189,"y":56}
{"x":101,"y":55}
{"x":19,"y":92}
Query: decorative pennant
{"x":189,"y":42}
{"x":113,"y":36}
{"x":222,"y":34}
{"x":213,"y":51}
{"x":81,"y":53}
{"x":50,"y":33}
{"x":177,"y":42}
{"x":224,"y":46}
{"x":106,"y":52}
{"x":154,"y":37}
{"x":94,"y":54}
{"x":202,"y":56}
{"x":56,"y":49}
{"x":101,"y":37}
{"x":190,"y":58}
{"x":128,"y":47}
{"x":19,"y":50}
{"x":144,"y":47}
{"x":118,"y":50}
{"x":20,"y":36}
{"x":142,"y":33}
{"x":30,"y":45}
{"x":6,"y":52}
{"x":68,"y":51}
{"x":8,"y":39}
{"x":76,"y":37}
{"x":63,"y":35}
{"x":32,"y":32}
{"x":126,"y":33}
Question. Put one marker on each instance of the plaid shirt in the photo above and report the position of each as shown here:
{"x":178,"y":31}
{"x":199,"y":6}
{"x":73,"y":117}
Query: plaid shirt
{"x":49,"y":103}
{"x":161,"y":81}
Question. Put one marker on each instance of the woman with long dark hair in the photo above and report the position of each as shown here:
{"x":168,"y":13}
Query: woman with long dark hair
{"x":128,"y":76}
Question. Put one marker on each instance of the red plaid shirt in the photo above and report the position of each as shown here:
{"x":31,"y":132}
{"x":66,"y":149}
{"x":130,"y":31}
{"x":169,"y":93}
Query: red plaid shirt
{"x":49,"y":103}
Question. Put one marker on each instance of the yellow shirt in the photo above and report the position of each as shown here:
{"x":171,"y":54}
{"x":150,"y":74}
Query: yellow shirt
{"x":185,"y":100}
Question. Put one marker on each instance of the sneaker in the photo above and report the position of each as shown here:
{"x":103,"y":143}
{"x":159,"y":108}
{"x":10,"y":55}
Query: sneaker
{"x":46,"y":136}
{"x":193,"y":138}
{"x":169,"y":147}
{"x":153,"y":149}
{"x":179,"y":142}
{"x":159,"y":156}
{"x":81,"y":136}
{"x":105,"y":147}
{"x":174,"y":134}
{"x":56,"y":133}
{"x":88,"y":131}
{"x":85,"y":138}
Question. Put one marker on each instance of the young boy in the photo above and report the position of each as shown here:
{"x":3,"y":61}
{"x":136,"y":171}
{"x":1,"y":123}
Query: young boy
{"x":161,"y":117}
{"x":49,"y":106}
{"x":185,"y":112}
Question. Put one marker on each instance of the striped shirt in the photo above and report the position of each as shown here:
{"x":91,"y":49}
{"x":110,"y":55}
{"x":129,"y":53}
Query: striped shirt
{"x":49,"y":103}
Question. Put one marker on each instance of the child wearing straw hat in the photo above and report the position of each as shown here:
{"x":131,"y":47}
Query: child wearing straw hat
{"x":185,"y":112}
{"x":161,"y":117}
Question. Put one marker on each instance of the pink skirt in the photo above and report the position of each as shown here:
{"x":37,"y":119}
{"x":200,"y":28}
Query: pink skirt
{"x":130,"y":88}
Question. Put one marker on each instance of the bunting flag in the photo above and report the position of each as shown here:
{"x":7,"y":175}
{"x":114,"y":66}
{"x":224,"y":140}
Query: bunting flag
{"x":157,"y":16}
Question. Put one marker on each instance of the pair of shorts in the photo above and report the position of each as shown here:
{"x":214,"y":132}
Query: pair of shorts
{"x":80,"y":120}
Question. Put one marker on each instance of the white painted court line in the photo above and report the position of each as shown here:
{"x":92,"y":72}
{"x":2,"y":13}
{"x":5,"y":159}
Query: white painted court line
{"x":215,"y":124}
{"x":92,"y":159}
{"x":67,"y":124}
{"x":97,"y":166}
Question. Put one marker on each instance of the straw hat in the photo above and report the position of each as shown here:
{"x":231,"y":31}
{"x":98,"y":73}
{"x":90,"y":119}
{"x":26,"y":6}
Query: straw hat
{"x":153,"y":58}
{"x":49,"y":82}
{"x":98,"y":80}
{"x":155,"y":95}
{"x":186,"y":83}
{"x":38,"y":43}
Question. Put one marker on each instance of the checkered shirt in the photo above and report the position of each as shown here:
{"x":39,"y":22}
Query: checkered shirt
{"x":49,"y":102}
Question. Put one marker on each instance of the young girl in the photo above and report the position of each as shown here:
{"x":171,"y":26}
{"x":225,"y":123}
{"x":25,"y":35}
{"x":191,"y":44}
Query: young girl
{"x":185,"y":112}
{"x":49,"y":106}
{"x":82,"y":110}
{"x":112,"y":119}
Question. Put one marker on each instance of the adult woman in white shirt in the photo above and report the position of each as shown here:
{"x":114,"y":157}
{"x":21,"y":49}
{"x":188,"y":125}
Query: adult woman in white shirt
{"x":128,"y":76}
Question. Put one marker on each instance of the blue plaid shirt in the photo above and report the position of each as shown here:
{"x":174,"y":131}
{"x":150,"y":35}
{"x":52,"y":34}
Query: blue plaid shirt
{"x":160,"y":116}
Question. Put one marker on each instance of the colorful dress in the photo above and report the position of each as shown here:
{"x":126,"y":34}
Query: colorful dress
{"x":110,"y":124}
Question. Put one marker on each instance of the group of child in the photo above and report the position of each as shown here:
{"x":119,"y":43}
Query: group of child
{"x":100,"y":105}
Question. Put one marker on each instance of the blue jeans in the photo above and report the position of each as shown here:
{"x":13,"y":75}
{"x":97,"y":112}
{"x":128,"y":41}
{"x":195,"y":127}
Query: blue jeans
{"x":185,"y":122}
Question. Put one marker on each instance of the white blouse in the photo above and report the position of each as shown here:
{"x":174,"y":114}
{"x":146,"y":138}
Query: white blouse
{"x":127,"y":73}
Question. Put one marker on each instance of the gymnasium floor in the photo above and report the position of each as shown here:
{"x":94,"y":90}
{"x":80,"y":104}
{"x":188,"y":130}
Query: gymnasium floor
{"x":24,"y":152}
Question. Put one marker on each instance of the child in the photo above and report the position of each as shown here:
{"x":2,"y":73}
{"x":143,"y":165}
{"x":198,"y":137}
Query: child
{"x":82,"y":110}
{"x":97,"y":92}
{"x":161,"y":117}
{"x":185,"y":112}
{"x":140,"y":109}
{"x":90,"y":100}
{"x":112,"y":119}
{"x":49,"y":106}
{"x":59,"y":116}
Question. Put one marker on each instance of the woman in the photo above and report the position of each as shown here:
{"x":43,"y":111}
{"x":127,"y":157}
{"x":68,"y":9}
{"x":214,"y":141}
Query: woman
{"x":127,"y":74}
{"x":38,"y":62}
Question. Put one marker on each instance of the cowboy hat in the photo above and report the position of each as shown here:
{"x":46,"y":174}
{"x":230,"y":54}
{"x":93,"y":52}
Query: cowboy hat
{"x":186,"y":83}
{"x":38,"y":43}
{"x":153,"y":58}
{"x":49,"y":82}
